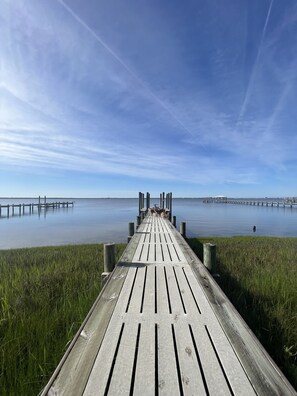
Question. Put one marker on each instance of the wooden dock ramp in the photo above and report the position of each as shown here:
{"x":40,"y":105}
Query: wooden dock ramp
{"x":161,"y":326}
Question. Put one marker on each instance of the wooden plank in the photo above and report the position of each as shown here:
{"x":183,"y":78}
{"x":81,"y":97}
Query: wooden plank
{"x":237,"y":378}
{"x":168,"y":383}
{"x":174,"y":294}
{"x":162,"y":297}
{"x":163,"y":243}
{"x":122,"y":378}
{"x":149,"y":301}
{"x":146,"y":248}
{"x":103,"y":367}
{"x":214,"y":377}
{"x":159,"y":250}
{"x":137,"y":255}
{"x":152,"y":251}
{"x":138,"y":290}
{"x":191,"y":303}
{"x":146,"y":377}
{"x":192,"y":378}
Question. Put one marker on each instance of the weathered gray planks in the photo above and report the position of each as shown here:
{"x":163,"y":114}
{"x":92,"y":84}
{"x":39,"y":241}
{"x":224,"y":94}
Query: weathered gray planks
{"x":162,"y":326}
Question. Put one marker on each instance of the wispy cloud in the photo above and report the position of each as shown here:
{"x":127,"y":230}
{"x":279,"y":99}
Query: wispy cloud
{"x":252,"y":78}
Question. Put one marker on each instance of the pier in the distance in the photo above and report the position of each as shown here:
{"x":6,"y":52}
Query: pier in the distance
{"x":162,"y":326}
{"x":21,"y":209}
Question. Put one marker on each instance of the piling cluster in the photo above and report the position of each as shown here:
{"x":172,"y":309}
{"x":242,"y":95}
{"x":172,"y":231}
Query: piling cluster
{"x":164,"y":208}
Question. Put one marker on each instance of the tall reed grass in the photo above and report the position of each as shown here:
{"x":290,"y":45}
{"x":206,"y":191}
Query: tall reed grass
{"x":45,"y":293}
{"x":259,"y":276}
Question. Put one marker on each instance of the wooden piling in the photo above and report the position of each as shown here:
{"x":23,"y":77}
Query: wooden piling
{"x":130,"y":231}
{"x":109,"y":257}
{"x":174,"y":221}
{"x":182,"y":229}
{"x":148,"y":201}
{"x":209,"y":256}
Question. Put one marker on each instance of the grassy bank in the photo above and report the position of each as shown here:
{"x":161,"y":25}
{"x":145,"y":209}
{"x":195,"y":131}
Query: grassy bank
{"x":259,"y":276}
{"x":45,"y":293}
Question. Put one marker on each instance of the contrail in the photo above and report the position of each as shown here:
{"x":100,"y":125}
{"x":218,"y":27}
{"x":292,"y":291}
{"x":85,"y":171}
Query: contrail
{"x":126,"y":67}
{"x":253,"y":74}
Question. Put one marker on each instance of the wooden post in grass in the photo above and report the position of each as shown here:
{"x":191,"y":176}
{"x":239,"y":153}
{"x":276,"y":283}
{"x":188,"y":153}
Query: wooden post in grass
{"x":209,"y":256}
{"x":109,"y":261}
{"x":131,"y":231}
{"x":182,"y":228}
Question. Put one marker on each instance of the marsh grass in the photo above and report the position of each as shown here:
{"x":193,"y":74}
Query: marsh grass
{"x":259,"y":276}
{"x":45,"y":293}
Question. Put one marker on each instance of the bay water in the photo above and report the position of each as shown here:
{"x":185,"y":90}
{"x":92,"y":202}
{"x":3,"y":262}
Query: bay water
{"x":105,"y":220}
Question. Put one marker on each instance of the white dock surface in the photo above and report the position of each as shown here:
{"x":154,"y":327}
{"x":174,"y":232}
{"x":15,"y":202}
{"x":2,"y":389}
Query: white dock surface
{"x":163,"y":337}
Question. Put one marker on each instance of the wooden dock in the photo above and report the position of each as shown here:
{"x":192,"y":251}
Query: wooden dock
{"x":30,"y":208}
{"x":277,"y":204}
{"x":162,"y":326}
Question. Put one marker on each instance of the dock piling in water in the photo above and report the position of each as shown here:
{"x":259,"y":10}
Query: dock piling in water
{"x":182,"y":229}
{"x":10,"y":208}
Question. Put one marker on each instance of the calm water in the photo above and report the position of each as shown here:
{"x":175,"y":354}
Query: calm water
{"x":106,"y":220}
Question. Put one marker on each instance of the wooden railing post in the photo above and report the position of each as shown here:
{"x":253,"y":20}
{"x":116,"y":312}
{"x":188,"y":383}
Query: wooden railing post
{"x":109,"y":261}
{"x":182,"y":229}
{"x":174,"y":221}
{"x":209,"y":256}
{"x":148,"y":199}
{"x":130,"y":231}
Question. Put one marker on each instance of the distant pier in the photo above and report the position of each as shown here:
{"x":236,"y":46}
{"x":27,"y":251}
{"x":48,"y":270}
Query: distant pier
{"x":30,"y":208}
{"x":285,"y":203}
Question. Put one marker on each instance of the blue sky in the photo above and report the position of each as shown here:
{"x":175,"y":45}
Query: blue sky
{"x":110,"y":97}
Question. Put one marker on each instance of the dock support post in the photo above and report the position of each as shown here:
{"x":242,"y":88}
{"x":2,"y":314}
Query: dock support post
{"x":138,"y":221}
{"x":148,"y":199}
{"x":209,"y":256}
{"x":131,"y":231}
{"x":109,"y":261}
{"x":174,"y":221}
{"x":182,"y":229}
{"x":141,"y":202}
{"x":109,"y":257}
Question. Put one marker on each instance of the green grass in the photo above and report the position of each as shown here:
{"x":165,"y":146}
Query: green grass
{"x":45,"y":293}
{"x":259,"y":276}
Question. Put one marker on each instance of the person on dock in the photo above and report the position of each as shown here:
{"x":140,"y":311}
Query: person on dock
{"x":156,"y":210}
{"x":254,"y":228}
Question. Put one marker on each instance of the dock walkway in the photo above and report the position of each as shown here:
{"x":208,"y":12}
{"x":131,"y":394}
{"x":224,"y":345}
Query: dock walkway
{"x":161,"y":326}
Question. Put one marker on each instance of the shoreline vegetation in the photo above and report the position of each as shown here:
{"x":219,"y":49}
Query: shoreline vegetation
{"x":46,"y":292}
